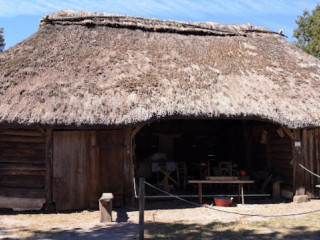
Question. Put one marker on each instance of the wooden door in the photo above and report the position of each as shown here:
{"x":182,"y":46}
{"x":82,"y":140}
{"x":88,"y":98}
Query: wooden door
{"x":111,"y":146}
{"x":85,"y":165}
{"x":69,"y":171}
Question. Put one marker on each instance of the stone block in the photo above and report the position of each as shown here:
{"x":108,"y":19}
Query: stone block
{"x":105,"y":207}
{"x":300,"y":198}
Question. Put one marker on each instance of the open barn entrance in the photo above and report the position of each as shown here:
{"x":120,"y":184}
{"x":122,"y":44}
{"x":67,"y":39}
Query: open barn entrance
{"x":173,"y":152}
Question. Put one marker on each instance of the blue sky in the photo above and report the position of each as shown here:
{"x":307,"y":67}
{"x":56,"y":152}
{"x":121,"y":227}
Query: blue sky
{"x":20,"y":18}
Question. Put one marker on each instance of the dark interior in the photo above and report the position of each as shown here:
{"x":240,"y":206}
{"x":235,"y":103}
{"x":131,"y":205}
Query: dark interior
{"x":196,"y":149}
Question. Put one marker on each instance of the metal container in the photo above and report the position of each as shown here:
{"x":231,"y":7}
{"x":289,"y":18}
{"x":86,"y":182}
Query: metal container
{"x":223,"y":201}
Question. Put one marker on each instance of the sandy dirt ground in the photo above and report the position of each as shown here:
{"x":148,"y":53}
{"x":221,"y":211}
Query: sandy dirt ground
{"x":86,"y":225}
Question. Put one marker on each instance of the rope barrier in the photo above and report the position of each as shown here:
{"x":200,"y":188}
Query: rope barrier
{"x":224,"y":211}
{"x":309,"y":170}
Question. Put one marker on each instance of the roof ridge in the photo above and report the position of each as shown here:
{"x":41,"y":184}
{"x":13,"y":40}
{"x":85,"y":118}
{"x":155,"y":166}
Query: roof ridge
{"x":152,"y":24}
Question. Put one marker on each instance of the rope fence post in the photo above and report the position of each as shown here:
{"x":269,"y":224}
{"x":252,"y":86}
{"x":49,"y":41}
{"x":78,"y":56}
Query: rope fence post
{"x":141,"y":207}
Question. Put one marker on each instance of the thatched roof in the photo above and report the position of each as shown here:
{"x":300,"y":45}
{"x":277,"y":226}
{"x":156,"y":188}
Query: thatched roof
{"x":99,"y":69}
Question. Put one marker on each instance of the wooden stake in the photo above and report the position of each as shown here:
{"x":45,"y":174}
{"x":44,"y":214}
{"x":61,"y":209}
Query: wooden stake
{"x":141,"y":207}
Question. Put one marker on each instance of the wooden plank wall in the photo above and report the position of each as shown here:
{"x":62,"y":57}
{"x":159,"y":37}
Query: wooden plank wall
{"x":311,"y":149}
{"x":128,"y":168}
{"x":22,"y":163}
{"x":281,"y":155}
{"x":309,"y":156}
{"x":69,"y":170}
{"x":111,"y":153}
{"x":88,"y":163}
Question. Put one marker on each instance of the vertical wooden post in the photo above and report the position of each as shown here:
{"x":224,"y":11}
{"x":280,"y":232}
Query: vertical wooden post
{"x":200,"y":192}
{"x":310,"y":154}
{"x":317,"y":155}
{"x":128,"y":172}
{"x":298,"y":174}
{"x":94,"y":178}
{"x":242,"y":196}
{"x":141,"y":208}
{"x":48,"y":177}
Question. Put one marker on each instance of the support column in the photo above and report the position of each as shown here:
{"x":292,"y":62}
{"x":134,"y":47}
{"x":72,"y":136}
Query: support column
{"x":298,"y":172}
{"x":128,"y":169}
{"x":48,"y":177}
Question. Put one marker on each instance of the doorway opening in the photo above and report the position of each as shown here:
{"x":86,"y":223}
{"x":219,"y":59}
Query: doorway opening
{"x":171,"y":153}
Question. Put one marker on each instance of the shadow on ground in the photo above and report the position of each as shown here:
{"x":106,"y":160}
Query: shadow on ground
{"x":215,"y":231}
{"x":121,"y":231}
{"x":181,"y":231}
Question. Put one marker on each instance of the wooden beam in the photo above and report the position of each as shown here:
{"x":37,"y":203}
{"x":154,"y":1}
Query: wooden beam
{"x":287,"y":131}
{"x":21,"y":159}
{"x":137,"y":129}
{"x":22,"y":166}
{"x":18,"y":132}
{"x":48,"y":161}
{"x":43,"y":132}
{"x":207,"y":196}
{"x":298,"y":174}
{"x":311,"y":162}
{"x":25,"y":181}
{"x":17,"y":172}
{"x":317,"y":154}
{"x":22,"y":139}
{"x":14,"y":145}
{"x":128,"y":169}
{"x":94,"y":177}
{"x":22,"y":192}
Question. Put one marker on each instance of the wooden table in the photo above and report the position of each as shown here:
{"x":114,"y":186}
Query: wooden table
{"x":240,"y":189}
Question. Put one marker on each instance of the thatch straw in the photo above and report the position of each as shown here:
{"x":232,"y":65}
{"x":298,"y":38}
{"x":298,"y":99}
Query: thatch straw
{"x":99,"y":69}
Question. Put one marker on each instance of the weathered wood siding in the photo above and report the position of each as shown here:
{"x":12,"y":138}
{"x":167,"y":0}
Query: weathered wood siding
{"x":111,"y":153}
{"x":22,"y":163}
{"x":88,"y":163}
{"x":128,"y":168}
{"x":270,"y":153}
{"x":308,"y":154}
{"x":281,"y":155}
{"x":69,"y":171}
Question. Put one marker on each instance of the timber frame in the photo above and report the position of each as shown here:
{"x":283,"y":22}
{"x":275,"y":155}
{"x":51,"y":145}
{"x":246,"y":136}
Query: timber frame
{"x":34,"y":166}
{"x":72,"y":135}
{"x":306,"y":147}
{"x":27,"y":161}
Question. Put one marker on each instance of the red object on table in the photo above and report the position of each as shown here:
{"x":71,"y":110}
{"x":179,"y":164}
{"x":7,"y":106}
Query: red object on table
{"x":242,"y":173}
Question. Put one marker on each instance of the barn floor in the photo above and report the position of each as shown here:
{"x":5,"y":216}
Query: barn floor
{"x":177,"y":221}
